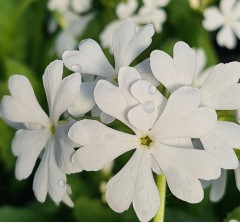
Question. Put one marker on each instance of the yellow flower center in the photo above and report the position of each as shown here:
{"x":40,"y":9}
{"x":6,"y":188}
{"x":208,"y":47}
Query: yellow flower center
{"x":146,"y":141}
{"x":52,"y":129}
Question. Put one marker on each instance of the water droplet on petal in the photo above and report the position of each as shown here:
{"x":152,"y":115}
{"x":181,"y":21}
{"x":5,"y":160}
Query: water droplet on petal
{"x":32,"y":149}
{"x":152,"y":90}
{"x":76,"y":68}
{"x":62,"y":183}
{"x":149,"y":107}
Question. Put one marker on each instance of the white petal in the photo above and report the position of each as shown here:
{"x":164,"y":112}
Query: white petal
{"x":146,"y":73}
{"x":101,"y":144}
{"x":107,"y":33}
{"x":106,"y":119}
{"x":89,"y":59}
{"x":23,"y":101}
{"x":199,"y":163}
{"x":182,"y":172}
{"x":237,"y":177}
{"x":179,"y":142}
{"x":40,"y":182}
{"x":185,"y":100}
{"x":121,"y":38}
{"x":155,"y":167}
{"x":185,"y":62}
{"x":126,"y":77}
{"x":225,"y":37}
{"x":213,"y":19}
{"x":120,"y":189}
{"x":229,"y":132}
{"x":201,"y":60}
{"x":85,"y":100}
{"x":200,"y":78}
{"x":222,"y":151}
{"x":111,"y":100}
{"x":64,"y":148}
{"x":152,"y":103}
{"x":28,"y":145}
{"x":221,"y":79}
{"x":218,"y":187}
{"x":129,"y":43}
{"x":49,"y":177}
{"x":196,"y":124}
{"x":52,"y":79}
{"x":226,"y":6}
{"x":29,"y":140}
{"x":176,"y":72}
{"x":164,"y":70}
{"x":66,"y":95}
{"x":146,"y":200}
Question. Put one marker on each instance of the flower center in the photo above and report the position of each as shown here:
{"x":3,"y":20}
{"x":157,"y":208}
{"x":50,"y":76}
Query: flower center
{"x":146,"y":141}
{"x":52,"y":129}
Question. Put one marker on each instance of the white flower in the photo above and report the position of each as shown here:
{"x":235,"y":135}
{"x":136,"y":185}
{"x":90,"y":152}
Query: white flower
{"x":75,"y":26}
{"x":219,"y":90}
{"x":151,"y":12}
{"x":124,"y":10}
{"x":139,"y":105}
{"x":227,"y":18}
{"x":78,"y":6}
{"x":127,"y":45}
{"x":43,"y":136}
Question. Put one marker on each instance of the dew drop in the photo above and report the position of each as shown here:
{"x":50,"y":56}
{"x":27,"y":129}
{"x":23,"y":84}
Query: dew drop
{"x":152,"y":90}
{"x":32,"y":149}
{"x":76,"y":68}
{"x":61,"y":183}
{"x":149,"y":107}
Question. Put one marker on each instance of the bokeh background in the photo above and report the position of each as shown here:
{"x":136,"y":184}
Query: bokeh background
{"x":27,"y":46}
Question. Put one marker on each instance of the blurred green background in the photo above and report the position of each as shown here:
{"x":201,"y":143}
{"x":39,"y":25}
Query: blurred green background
{"x":25,"y":47}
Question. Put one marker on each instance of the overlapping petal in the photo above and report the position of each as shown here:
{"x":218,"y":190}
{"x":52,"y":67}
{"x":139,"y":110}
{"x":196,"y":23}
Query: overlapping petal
{"x":101,"y":144}
{"x":89,"y":59}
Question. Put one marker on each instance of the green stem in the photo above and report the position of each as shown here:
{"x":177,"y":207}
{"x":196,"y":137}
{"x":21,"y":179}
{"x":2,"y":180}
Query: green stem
{"x":161,"y":184}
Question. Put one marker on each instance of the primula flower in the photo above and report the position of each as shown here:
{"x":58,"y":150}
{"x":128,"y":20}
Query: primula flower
{"x":43,"y":136}
{"x":154,"y":121}
{"x":124,"y":10}
{"x":152,"y":12}
{"x":72,"y":24}
{"x":127,"y":45}
{"x":219,"y":90}
{"x":227,"y":18}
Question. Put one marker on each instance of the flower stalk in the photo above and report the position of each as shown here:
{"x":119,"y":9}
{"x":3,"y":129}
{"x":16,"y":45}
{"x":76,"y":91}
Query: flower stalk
{"x":161,"y":184}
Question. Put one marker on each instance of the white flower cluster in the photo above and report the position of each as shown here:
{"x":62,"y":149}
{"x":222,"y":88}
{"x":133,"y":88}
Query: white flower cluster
{"x":150,"y":12}
{"x":162,"y":128}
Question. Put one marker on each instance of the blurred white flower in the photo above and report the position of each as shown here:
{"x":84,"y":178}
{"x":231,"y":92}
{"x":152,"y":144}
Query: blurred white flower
{"x":219,"y":89}
{"x":127,"y":43}
{"x":72,"y":24}
{"x":124,"y":10}
{"x":152,"y":12}
{"x":154,"y":121}
{"x":227,"y":18}
{"x":78,"y":6}
{"x":43,"y":136}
